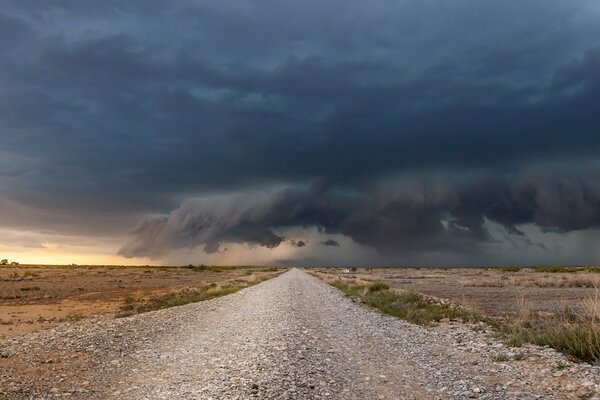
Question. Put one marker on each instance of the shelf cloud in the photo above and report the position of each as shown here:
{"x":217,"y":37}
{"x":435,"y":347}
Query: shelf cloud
{"x":446,"y":215}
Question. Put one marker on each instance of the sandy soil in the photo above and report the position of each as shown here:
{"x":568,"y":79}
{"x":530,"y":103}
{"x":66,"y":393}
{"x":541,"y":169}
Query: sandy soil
{"x":40,"y":297}
{"x":494,"y":291}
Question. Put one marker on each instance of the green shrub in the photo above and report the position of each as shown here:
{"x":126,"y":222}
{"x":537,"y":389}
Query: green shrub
{"x":510,"y":269}
{"x":378,"y":286}
{"x":577,"y":339}
{"x":404,"y":304}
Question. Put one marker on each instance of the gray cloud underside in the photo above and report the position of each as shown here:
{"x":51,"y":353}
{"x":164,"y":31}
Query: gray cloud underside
{"x":446,"y":216}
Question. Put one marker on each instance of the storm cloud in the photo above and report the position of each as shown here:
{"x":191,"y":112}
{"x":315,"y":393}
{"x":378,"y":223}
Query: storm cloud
{"x":449,"y":216}
{"x":421,"y":122}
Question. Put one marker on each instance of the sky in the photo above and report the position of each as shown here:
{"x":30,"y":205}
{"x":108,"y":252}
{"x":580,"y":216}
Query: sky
{"x":405,"y":132}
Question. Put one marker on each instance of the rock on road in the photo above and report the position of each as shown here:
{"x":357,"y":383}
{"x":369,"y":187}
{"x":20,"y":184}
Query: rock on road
{"x":292,"y":337}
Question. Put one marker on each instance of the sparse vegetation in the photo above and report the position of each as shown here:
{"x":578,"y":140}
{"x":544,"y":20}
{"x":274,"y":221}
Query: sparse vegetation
{"x":556,"y":269}
{"x":74,"y":317}
{"x":99,"y":289}
{"x":510,"y":269}
{"x":271,"y":269}
{"x":213,"y":268}
{"x":484,"y":283}
{"x":378,"y":286}
{"x":580,"y":280}
{"x":405,"y":304}
{"x":187,"y":295}
{"x":573,"y":333}
{"x":561,"y":366}
{"x":30,"y":288}
{"x":573,"y":328}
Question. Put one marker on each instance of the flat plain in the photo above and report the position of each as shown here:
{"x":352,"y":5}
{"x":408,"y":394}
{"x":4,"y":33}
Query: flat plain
{"x":37,"y":297}
{"x":496,"y":291}
{"x":291,"y":337}
{"x":146,"y":333}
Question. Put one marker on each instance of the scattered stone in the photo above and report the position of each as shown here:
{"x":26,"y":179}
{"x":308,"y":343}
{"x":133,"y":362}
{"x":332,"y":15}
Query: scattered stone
{"x":292,"y":337}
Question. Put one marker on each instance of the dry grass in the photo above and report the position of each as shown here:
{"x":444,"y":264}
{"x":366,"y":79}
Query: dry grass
{"x":573,"y":333}
{"x":572,"y":328}
{"x":135,"y":305}
{"x":483,"y":283}
{"x":587,"y":280}
{"x":572,"y":279}
{"x":405,"y":304}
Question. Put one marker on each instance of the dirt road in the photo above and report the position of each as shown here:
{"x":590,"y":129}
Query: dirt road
{"x":292,"y":337}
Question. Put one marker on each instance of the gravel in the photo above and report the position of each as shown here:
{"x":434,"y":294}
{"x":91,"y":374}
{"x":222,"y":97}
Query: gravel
{"x":292,"y":337}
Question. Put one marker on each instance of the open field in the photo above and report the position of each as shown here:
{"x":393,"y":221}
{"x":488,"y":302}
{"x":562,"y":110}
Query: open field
{"x":557,"y":307}
{"x":39,"y":297}
{"x":291,"y":337}
{"x":496,"y":291}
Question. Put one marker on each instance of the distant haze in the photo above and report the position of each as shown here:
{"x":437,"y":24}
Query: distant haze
{"x":312,"y":133}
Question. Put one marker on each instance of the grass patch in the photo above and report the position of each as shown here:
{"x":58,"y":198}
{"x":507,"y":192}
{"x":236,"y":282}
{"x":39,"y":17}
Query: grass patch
{"x":200,"y":292}
{"x":405,"y":304}
{"x":561,"y":366}
{"x":500,"y":358}
{"x":577,"y":339}
{"x":74,"y":317}
{"x":271,"y":269}
{"x":573,"y":333}
{"x":212,"y":268}
{"x":30,"y":288}
{"x":557,"y":269}
{"x":510,"y":269}
{"x":378,"y":287}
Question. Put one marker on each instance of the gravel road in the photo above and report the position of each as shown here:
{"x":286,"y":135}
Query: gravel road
{"x":292,"y":337}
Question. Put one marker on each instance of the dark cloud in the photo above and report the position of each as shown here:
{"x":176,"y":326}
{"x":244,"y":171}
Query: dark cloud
{"x":13,"y":30}
{"x":108,"y":113}
{"x":448,"y":216}
{"x":297,"y":243}
{"x":330,"y":242}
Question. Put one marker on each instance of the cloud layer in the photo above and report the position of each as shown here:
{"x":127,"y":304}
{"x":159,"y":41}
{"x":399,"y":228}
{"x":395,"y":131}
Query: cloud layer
{"x":446,"y":216}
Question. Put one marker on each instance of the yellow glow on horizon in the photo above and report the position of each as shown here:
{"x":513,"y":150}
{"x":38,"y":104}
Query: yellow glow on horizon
{"x":26,"y":247}
{"x":50,"y":258}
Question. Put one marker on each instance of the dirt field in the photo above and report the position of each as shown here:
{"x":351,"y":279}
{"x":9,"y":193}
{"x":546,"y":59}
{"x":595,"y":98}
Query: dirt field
{"x":39,"y":297}
{"x":493,"y":290}
{"x":291,"y":337}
